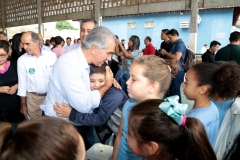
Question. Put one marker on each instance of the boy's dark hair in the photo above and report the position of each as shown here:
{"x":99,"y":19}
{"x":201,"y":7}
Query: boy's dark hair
{"x":214,"y":43}
{"x":205,"y":44}
{"x":204,"y":74}
{"x":122,"y":40}
{"x":147,"y":122}
{"x":148,"y":38}
{"x":68,"y":38}
{"x":234,"y":36}
{"x":173,"y":32}
{"x":165,"y":31}
{"x":58,"y":40}
{"x":96,"y":69}
{"x":227,"y":80}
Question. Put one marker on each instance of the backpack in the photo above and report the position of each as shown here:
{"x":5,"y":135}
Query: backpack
{"x":188,"y":61}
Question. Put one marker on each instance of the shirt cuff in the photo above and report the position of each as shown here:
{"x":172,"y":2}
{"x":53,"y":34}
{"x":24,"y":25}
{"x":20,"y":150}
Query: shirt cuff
{"x":22,"y":93}
{"x":72,"y":116}
{"x":96,"y":97}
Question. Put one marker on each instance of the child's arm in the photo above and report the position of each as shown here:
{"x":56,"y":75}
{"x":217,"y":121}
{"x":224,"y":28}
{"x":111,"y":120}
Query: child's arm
{"x":112,"y":100}
{"x":117,"y":141}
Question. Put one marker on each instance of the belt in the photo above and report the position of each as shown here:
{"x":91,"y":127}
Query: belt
{"x":38,"y":94}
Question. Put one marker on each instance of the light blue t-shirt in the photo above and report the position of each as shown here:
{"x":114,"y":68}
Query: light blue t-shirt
{"x":124,"y":152}
{"x":209,"y":116}
{"x":222,"y":108}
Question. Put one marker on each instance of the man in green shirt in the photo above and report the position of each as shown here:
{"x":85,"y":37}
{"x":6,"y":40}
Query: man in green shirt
{"x":231,"y":52}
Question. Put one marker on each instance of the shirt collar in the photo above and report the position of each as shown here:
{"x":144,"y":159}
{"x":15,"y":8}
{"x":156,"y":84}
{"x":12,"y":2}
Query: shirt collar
{"x":41,"y":52}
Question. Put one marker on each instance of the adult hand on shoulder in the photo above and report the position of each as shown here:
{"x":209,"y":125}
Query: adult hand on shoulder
{"x":13,"y":89}
{"x":116,"y":84}
{"x":62,"y":110}
{"x":109,"y":76}
{"x":4,"y":89}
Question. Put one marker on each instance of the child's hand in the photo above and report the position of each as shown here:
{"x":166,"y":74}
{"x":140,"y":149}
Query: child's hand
{"x":62,"y":110}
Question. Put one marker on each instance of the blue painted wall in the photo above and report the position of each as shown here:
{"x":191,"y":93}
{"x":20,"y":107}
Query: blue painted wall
{"x":213,"y":21}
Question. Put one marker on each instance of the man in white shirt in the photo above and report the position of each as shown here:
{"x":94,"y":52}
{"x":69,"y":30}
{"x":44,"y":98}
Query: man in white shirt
{"x":68,"y":41}
{"x":86,"y":26}
{"x":34,"y":68}
{"x":69,"y":82}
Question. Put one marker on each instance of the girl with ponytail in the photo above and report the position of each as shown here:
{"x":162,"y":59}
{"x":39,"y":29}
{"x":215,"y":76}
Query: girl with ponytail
{"x":160,"y":130}
{"x":150,"y":78}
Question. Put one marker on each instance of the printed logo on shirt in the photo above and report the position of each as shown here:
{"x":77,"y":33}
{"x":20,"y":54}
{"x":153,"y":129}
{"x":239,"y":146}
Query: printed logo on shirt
{"x":31,"y":71}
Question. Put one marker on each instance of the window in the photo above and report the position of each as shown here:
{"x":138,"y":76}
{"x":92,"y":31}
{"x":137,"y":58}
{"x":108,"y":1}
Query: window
{"x":132,"y":25}
{"x":220,"y":35}
{"x":149,"y":24}
{"x":184,"y":24}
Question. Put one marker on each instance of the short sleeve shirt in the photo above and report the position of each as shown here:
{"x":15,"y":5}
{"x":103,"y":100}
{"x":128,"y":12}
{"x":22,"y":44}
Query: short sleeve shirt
{"x":149,"y":50}
{"x":179,"y":46}
{"x":129,"y":61}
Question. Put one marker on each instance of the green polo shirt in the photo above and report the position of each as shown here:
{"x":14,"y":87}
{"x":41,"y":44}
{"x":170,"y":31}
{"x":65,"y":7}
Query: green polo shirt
{"x":229,"y":53}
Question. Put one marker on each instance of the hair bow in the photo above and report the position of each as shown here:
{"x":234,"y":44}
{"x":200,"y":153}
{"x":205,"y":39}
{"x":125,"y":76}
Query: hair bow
{"x":174,"y":109}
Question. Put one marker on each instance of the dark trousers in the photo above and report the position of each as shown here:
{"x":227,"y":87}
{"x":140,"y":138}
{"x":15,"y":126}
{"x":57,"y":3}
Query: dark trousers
{"x":87,"y":135}
{"x":12,"y":115}
{"x":174,"y":88}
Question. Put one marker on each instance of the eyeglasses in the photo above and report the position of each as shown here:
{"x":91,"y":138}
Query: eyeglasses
{"x":3,"y":55}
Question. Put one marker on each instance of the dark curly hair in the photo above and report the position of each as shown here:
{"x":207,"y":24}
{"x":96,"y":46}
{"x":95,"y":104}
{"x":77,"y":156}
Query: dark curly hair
{"x":227,"y":80}
{"x":204,"y":74}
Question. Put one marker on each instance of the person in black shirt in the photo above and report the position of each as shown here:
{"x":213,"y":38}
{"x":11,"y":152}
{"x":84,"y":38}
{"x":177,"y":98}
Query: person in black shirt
{"x":208,"y":56}
{"x":166,"y":44}
{"x":9,"y":100}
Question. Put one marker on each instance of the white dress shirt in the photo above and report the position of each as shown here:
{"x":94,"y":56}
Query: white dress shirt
{"x":69,"y":83}
{"x":34,"y":73}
